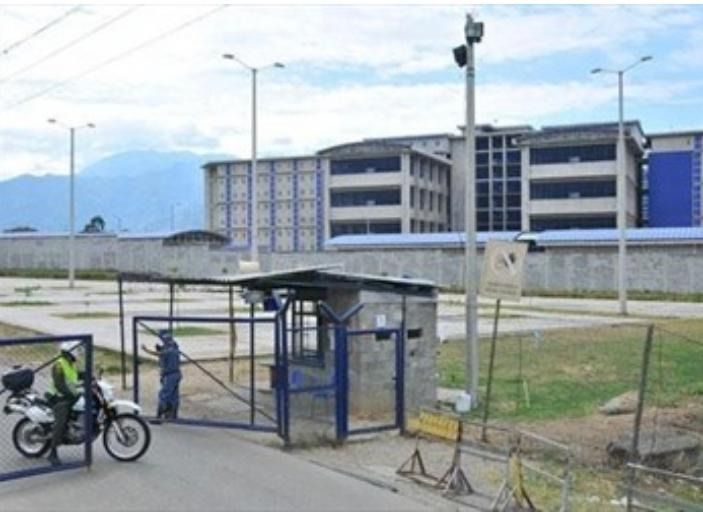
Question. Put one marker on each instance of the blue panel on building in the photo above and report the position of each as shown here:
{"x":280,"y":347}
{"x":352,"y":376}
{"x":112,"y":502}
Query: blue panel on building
{"x":670,"y":189}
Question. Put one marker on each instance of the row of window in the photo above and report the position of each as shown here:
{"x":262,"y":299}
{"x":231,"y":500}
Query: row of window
{"x":498,"y":216}
{"x":512,"y":157}
{"x":511,"y":171}
{"x":363,"y":227}
{"x":512,"y":187}
{"x":572,"y":189}
{"x":431,"y":171}
{"x":421,"y":226}
{"x":382,"y":197}
{"x":365,"y":165}
{"x":512,"y":201}
{"x":497,"y":141}
{"x":572,"y":154}
{"x":596,"y":221}
{"x":504,"y":226}
{"x":425,"y":199}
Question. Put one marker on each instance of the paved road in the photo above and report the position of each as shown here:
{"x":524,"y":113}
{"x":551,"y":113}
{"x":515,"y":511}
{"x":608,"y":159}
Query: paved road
{"x":200,"y":469}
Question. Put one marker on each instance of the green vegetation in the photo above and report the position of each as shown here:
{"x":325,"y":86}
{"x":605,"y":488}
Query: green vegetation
{"x":191,"y":330}
{"x":22,"y":303}
{"x":569,"y":372}
{"x":58,"y":273}
{"x":86,"y":315}
{"x":600,"y":294}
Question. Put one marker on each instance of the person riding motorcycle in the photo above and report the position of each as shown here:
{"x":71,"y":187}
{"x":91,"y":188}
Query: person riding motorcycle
{"x":64,"y":393}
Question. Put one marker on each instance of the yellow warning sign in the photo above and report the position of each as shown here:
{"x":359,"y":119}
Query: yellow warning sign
{"x":434,"y":425}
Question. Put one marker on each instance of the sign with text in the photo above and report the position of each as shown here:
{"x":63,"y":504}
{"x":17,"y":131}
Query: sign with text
{"x":501,"y":276}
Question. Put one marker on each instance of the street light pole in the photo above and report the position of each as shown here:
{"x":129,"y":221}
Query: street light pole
{"x":464,"y":56}
{"x":254,"y":238}
{"x":621,"y":185}
{"x":71,"y":199}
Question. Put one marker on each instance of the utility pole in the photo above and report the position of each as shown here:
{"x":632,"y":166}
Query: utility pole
{"x":464,"y":57}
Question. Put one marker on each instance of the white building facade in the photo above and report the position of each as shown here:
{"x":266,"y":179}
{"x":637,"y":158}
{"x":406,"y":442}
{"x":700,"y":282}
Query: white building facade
{"x":569,"y":176}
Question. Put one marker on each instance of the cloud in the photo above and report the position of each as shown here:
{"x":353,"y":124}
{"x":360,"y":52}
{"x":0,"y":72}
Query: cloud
{"x":351,"y":72}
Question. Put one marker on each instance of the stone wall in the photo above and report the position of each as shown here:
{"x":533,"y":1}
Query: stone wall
{"x":673,"y":268}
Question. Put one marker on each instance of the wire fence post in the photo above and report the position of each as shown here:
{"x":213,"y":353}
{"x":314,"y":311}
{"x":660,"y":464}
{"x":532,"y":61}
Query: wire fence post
{"x":490,"y":372}
{"x":634,"y":452}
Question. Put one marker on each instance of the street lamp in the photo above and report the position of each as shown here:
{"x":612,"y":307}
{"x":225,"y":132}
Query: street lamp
{"x":464,"y":57}
{"x":254,"y":196}
{"x":71,"y":201}
{"x":621,"y":186}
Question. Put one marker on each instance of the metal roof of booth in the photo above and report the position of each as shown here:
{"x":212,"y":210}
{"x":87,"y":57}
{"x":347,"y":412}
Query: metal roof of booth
{"x":320,"y":278}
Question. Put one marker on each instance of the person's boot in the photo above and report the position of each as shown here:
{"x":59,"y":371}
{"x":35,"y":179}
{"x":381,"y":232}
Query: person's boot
{"x":53,"y":458}
{"x":159,"y":415}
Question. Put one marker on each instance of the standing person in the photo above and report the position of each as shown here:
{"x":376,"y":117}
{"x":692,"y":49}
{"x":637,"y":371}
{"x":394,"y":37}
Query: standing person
{"x":64,"y":392}
{"x":170,"y":373}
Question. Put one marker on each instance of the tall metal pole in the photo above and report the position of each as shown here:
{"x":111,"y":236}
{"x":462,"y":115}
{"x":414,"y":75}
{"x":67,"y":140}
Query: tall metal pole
{"x":470,"y":277}
{"x":254,"y":195}
{"x":621,"y":202}
{"x":71,"y":216}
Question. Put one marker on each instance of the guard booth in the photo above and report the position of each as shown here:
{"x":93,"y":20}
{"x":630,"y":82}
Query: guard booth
{"x":342,"y":353}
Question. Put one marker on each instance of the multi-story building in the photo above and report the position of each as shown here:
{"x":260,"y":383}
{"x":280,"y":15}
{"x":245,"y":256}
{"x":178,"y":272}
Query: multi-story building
{"x":290,"y":202}
{"x":498,"y":173}
{"x":365,"y":187}
{"x":569,"y":176}
{"x":674,"y":173}
{"x":376,"y":186}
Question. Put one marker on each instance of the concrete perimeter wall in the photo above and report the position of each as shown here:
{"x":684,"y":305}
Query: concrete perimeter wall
{"x":674,"y":268}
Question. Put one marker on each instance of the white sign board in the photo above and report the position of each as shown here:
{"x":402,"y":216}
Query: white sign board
{"x":501,"y":276}
{"x":380,"y":321}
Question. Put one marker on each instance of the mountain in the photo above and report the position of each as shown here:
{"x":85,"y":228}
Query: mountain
{"x":141,"y":191}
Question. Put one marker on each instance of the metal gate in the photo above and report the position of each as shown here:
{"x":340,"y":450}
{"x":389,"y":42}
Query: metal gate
{"x":212,"y":392}
{"x":39,"y":354}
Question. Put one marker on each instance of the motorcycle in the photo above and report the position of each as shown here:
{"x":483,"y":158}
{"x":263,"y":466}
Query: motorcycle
{"x":126,"y":436}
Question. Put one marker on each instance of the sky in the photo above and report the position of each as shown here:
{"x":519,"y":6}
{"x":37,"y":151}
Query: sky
{"x":153,"y":76}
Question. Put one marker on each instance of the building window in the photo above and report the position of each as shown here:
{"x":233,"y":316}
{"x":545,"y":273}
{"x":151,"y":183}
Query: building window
{"x":431,"y":201}
{"x":422,"y":199}
{"x":562,"y":222}
{"x":572,"y":189}
{"x":513,"y":157}
{"x":481,"y":143}
{"x":412,"y":226}
{"x":365,"y":165}
{"x":481,"y":158}
{"x":514,"y":171}
{"x":363,"y":227}
{"x":412,"y":197}
{"x":481,"y":172}
{"x":431,"y":176}
{"x":572,"y":154}
{"x":497,"y":142}
{"x":497,"y":171}
{"x":365,"y":197}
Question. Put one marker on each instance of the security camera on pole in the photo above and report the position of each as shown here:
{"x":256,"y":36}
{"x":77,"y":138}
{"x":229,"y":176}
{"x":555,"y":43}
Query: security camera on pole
{"x":464,"y":57}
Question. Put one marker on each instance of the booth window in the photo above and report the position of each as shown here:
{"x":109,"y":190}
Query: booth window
{"x":307,"y":331}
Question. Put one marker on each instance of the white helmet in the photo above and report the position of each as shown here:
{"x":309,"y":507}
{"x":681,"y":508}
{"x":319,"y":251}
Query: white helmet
{"x":70,"y":346}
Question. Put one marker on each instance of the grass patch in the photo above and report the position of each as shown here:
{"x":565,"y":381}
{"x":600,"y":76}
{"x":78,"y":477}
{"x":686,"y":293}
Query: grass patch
{"x":86,"y":315}
{"x":57,"y":273}
{"x":22,"y":303}
{"x":190,"y":330}
{"x":600,"y":294}
{"x":569,"y":372}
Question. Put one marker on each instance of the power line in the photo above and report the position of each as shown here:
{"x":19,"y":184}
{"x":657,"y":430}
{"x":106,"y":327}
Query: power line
{"x":116,"y":57}
{"x":38,"y":32}
{"x":70,"y":44}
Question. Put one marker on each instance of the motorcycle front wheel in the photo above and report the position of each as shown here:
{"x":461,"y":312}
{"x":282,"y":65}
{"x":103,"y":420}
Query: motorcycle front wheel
{"x":29,"y":439}
{"x":126,"y":437}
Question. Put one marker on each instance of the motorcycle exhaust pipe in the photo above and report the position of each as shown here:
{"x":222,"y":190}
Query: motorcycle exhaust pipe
{"x":12,"y":408}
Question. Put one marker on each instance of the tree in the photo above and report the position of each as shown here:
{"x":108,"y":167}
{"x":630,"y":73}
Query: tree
{"x":20,"y":229}
{"x":96,"y":225}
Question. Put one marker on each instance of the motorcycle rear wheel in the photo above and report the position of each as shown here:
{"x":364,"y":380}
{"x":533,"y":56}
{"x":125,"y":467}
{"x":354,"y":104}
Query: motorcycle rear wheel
{"x":20,"y":438}
{"x":134,"y":441}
